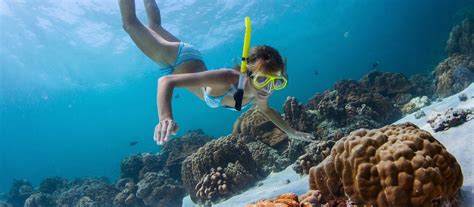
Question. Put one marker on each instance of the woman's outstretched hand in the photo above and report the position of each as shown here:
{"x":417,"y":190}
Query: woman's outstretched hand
{"x":164,"y":130}
{"x":302,"y":136}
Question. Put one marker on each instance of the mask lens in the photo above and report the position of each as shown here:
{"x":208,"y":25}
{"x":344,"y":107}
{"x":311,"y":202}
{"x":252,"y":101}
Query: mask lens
{"x":279,"y":82}
{"x":260,"y":80}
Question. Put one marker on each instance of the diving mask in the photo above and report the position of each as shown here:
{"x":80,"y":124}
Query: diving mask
{"x":268,"y":82}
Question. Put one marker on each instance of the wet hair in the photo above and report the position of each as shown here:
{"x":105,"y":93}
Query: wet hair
{"x":265,"y":59}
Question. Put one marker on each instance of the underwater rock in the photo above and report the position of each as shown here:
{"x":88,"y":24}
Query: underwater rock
{"x":39,"y":200}
{"x":315,"y":153}
{"x":254,"y":124}
{"x":454,"y":74}
{"x":462,"y":97}
{"x":159,"y":190}
{"x":267,"y":159}
{"x":419,"y":114}
{"x":176,"y":150}
{"x":228,"y":153}
{"x":19,"y":192}
{"x":461,"y":38}
{"x":415,"y":104}
{"x":394,"y":86}
{"x":87,"y":192}
{"x":397,"y":165}
{"x":449,"y":118}
{"x":52,"y":184}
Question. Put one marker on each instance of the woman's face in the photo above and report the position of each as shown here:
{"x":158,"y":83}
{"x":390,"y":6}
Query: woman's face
{"x":259,"y":93}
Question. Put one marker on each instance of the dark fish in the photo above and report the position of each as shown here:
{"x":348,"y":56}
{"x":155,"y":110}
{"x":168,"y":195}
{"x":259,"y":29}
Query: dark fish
{"x":176,"y":96}
{"x":133,"y":143}
{"x":316,"y":72}
{"x":375,"y":65}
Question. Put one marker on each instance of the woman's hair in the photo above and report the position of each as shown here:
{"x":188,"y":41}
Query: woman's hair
{"x":266,"y":59}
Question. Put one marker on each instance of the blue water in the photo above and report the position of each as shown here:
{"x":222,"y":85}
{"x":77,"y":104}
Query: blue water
{"x":75,"y":90}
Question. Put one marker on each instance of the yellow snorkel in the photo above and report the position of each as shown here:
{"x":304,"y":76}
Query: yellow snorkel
{"x":243,"y":66}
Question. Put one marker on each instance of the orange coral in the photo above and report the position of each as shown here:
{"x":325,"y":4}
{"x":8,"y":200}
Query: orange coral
{"x":285,"y":200}
{"x":397,"y":165}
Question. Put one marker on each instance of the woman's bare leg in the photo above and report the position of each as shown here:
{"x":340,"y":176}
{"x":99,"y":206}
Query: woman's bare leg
{"x":154,"y":20}
{"x":150,"y":42}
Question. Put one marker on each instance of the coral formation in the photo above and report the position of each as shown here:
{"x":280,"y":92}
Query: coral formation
{"x":127,"y":197}
{"x":52,"y":184}
{"x":19,"y":192}
{"x":230,"y":154}
{"x":397,"y":165}
{"x":457,"y":71}
{"x":449,"y":118}
{"x":285,"y":200}
{"x":415,"y":104}
{"x":39,"y":200}
{"x":315,"y":153}
{"x":419,"y":114}
{"x":160,"y":190}
{"x":213,"y":185}
{"x":462,"y":97}
{"x":395,"y":86}
{"x":89,"y":190}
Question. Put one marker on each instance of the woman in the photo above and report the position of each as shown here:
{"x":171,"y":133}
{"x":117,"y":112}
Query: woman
{"x":182,"y":66}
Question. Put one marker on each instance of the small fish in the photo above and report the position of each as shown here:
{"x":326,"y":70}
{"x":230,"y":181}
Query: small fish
{"x":177,"y":96}
{"x":133,"y":143}
{"x":316,"y":72}
{"x":375,"y":65}
{"x":346,"y":34}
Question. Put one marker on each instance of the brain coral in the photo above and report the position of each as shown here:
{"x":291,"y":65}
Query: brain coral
{"x":397,"y":165}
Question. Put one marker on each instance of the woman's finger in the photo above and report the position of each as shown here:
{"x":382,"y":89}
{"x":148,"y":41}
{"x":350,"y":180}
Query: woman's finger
{"x":164,"y":127}
{"x":158,"y":133}
{"x":169,"y":130}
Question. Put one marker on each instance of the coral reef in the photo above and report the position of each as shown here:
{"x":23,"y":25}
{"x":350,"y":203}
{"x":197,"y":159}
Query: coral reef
{"x":39,"y":200}
{"x":160,"y":190}
{"x":213,"y":185}
{"x":231,"y":155}
{"x":127,"y":197}
{"x":52,"y":184}
{"x":90,"y":190}
{"x":397,"y":165}
{"x":461,"y":38}
{"x":394,"y":86}
{"x":315,"y":153}
{"x":267,"y":159}
{"x":254,"y":124}
{"x":285,"y":200}
{"x":457,"y":71}
{"x":19,"y":192}
{"x":415,"y":104}
{"x":449,"y":118}
{"x":454,"y":74}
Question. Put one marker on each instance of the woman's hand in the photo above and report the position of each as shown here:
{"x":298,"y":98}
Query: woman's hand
{"x":302,"y":136}
{"x":164,"y":130}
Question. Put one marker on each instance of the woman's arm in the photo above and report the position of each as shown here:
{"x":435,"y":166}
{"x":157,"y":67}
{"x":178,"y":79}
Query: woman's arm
{"x":166,"y":85}
{"x":275,"y":117}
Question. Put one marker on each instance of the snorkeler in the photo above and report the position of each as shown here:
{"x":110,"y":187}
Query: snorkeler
{"x":182,"y":66}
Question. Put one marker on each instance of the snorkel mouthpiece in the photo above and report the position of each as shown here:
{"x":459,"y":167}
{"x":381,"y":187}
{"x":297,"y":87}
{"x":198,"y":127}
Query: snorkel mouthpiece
{"x":238,"y":96}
